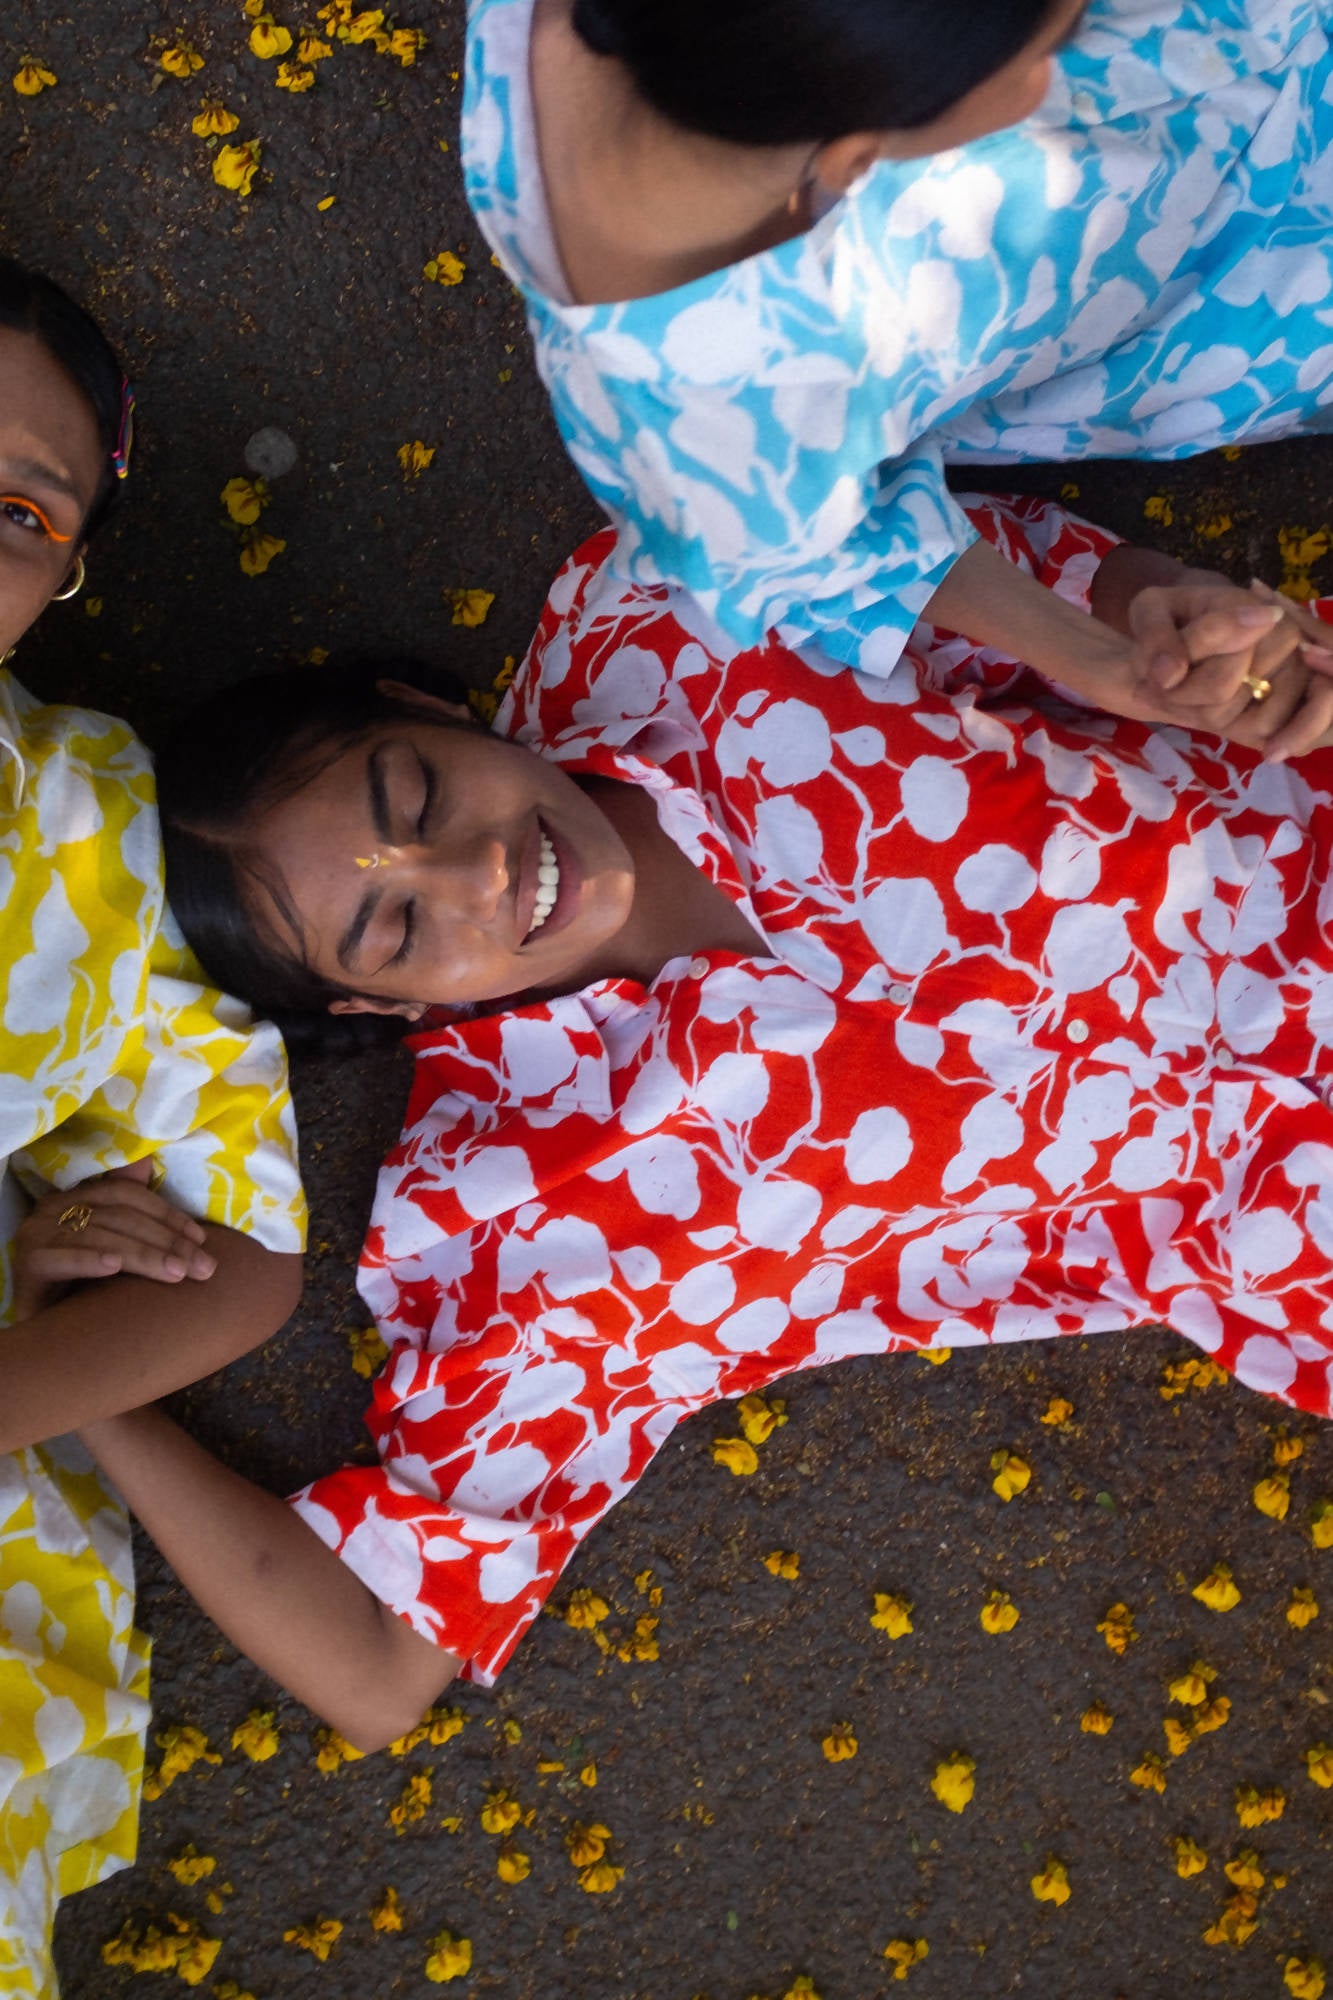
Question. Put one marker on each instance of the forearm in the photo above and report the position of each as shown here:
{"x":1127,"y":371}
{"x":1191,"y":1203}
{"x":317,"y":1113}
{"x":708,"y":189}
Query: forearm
{"x":124,"y":1341}
{"x":986,"y":599}
{"x":270,"y":1584}
{"x":1126,"y":570}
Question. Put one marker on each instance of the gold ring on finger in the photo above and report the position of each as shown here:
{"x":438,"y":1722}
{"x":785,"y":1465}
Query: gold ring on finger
{"x":1260,"y":689}
{"x":76,"y":1217}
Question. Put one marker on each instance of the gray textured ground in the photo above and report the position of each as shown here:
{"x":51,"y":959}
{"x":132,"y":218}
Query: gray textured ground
{"x":749,"y":1858}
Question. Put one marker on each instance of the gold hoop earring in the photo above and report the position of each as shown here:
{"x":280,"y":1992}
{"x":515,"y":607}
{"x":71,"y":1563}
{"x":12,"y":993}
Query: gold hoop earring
{"x":80,"y":578}
{"x":5,"y":658}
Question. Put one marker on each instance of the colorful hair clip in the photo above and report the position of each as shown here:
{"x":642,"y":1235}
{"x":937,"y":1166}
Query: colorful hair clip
{"x":120,"y":457}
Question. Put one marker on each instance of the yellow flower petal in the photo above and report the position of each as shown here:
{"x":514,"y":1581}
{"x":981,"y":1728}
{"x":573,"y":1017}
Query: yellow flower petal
{"x":1302,"y":1610}
{"x":1052,"y":1885}
{"x":784,"y":1563}
{"x":1212,"y":1715}
{"x":759,"y":1418}
{"x":245,"y":500}
{"x":1057,"y":1411}
{"x":1178,"y":1735}
{"x":1286,"y":1448}
{"x":1237,"y":1923}
{"x":257,"y":1737}
{"x":181,"y":60}
{"x":954,"y":1781}
{"x":1218,"y":1589}
{"x":936,"y":1356}
{"x":318,"y":1938}
{"x":999,"y":1613}
{"x":1012,"y":1473}
{"x":470,"y":606}
{"x":737,"y":1454}
{"x":1257,"y":1808}
{"x":1243,"y":1870}
{"x":1319,"y":1763}
{"x":1149,"y":1774}
{"x":1158,"y":508}
{"x":258,"y":550}
{"x":31,"y":78}
{"x":190,"y":1866}
{"x":586,"y":1842}
{"x":585,"y":1609}
{"x":445,"y":269}
{"x":214,"y":120}
{"x":1304,"y":1978}
{"x":839,"y":1744}
{"x":235,"y":167}
{"x":904,"y":1953}
{"x":501,"y":1812}
{"x":512,"y":1866}
{"x":600,"y":1879}
{"x":1191,"y":1688}
{"x":413,"y":1800}
{"x":1096,"y":1721}
{"x":415,"y":457}
{"x":369,"y":1351}
{"x":1117,"y":1628}
{"x":387,"y":1914}
{"x":1190,"y":1857}
{"x":450,"y":1958}
{"x":295,"y":77}
{"x":892,"y":1614}
{"x":1272,"y":1496}
{"x":267,"y":40}
{"x":1321,"y":1524}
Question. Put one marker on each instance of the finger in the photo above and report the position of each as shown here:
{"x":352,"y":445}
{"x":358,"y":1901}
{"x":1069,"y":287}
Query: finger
{"x":1308,"y":727}
{"x":1235,"y":632}
{"x":61,"y":1264}
{"x":117,"y":1192}
{"x":133,"y":1170}
{"x":142,"y":1245}
{"x":1319,"y":659}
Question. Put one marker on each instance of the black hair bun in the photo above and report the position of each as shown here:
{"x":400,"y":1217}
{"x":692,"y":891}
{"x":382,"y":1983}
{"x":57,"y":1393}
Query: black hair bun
{"x":595,"y":23}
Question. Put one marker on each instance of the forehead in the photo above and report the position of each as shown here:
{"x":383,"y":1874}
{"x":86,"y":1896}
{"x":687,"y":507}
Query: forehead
{"x":45,"y":417}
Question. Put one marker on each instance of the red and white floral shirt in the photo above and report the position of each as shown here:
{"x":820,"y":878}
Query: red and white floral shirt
{"x":1027,"y":1059}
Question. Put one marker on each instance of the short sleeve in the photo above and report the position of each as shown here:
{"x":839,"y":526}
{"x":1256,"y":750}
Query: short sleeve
{"x":201,"y":1088}
{"x":497,"y":1458}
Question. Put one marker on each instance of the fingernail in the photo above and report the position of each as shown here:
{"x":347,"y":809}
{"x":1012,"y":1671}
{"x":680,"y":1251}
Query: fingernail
{"x":1262,"y":589}
{"x":1312,"y":651}
{"x":173,"y":1268}
{"x":108,"y":1262}
{"x":203,"y":1267}
{"x":1259,"y":617}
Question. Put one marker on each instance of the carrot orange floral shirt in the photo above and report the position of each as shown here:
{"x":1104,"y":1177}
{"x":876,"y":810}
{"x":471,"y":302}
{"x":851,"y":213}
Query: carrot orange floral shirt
{"x":1027,"y":1059}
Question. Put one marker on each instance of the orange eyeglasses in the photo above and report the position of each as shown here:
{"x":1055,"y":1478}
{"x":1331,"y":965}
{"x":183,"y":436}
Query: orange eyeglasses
{"x":51,"y":533}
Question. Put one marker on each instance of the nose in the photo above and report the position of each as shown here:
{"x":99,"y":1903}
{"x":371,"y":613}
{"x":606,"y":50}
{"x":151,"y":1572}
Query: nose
{"x":473,"y":878}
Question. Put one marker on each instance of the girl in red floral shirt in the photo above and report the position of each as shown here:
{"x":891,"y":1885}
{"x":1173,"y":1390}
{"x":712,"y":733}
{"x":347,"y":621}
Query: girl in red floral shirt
{"x":809,"y":1016}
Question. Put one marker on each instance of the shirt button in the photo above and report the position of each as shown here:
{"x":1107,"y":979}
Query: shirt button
{"x":1078,"y":1031}
{"x":900,"y":994}
{"x":698,"y":968}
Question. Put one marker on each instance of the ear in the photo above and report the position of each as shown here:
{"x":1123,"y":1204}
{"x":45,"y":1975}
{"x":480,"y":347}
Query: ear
{"x":365,"y":1003}
{"x":429,"y":705}
{"x":844,"y":160}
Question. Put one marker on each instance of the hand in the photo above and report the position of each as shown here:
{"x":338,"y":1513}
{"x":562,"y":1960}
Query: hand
{"x":1208,"y":641}
{"x":129,"y":1229}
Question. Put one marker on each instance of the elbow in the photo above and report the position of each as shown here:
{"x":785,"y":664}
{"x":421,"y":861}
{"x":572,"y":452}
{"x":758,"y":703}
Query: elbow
{"x":384,"y":1714}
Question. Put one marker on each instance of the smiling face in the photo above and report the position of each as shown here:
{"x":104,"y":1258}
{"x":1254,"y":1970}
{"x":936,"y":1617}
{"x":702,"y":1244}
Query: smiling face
{"x":433,"y":864}
{"x":51,"y":464}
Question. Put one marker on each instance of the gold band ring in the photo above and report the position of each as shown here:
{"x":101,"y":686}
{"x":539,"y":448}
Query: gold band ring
{"x":74,"y":1218}
{"x":1260,"y":689}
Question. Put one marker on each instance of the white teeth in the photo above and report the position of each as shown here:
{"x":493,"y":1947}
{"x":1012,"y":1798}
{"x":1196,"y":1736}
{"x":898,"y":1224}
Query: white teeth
{"x":548,"y":885}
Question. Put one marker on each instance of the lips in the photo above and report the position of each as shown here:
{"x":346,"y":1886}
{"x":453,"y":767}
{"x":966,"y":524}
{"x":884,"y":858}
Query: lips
{"x":554,"y":879}
{"x":548,"y":885}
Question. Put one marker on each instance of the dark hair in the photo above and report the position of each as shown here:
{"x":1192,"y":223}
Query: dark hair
{"x":31,"y":303}
{"x":790,"y":72}
{"x":232,"y":758}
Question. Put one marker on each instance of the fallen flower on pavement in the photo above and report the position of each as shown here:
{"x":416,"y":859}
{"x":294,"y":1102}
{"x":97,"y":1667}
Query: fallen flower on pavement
{"x":1302,"y":1609}
{"x":892,"y":1614}
{"x":759,"y":1418}
{"x":501,"y":1812}
{"x":1319,"y":1764}
{"x":1237,"y":1922}
{"x":268,"y":40}
{"x":1149,"y":1774}
{"x":1272,"y":1496}
{"x":213,"y":120}
{"x":318,"y":1938}
{"x":585,"y":1609}
{"x":470,"y":606}
{"x":1012,"y":1474}
{"x":1256,"y":1808}
{"x":415,"y":457}
{"x":785,"y":1563}
{"x":586,"y":1842}
{"x":1057,"y":1411}
{"x":1191,"y":1687}
{"x":904,"y":1953}
{"x":1096,"y":1721}
{"x":1321,"y":1524}
{"x":1218,"y":1589}
{"x":369,"y":1350}
{"x":1190,"y":1857}
{"x":412,"y":1802}
{"x":257,"y":1736}
{"x":999,"y":1613}
{"x":954,"y":1781}
{"x":32,"y":77}
{"x":190,"y":1866}
{"x":511,"y":1865}
{"x":181,"y":60}
{"x":258,"y":550}
{"x":1052,"y":1885}
{"x":332,"y":1751}
{"x":737,"y":1454}
{"x":600,"y":1878}
{"x":840,"y":1744}
{"x":1304,"y":1978}
{"x":1243,"y":1870}
{"x":1117,"y":1628}
{"x":183,"y":1747}
{"x":235,"y":167}
{"x":450,"y":1958}
{"x":387,"y":1914}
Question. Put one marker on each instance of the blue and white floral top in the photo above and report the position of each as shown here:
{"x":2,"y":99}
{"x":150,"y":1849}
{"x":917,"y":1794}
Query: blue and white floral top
{"x":1144,"y":268}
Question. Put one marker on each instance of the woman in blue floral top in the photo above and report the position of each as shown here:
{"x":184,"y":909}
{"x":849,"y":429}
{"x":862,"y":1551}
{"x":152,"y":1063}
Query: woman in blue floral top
{"x":766,"y":326}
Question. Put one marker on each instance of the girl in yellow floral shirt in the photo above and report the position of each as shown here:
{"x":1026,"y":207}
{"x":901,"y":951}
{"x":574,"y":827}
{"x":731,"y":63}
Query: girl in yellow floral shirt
{"x":151,"y":1216}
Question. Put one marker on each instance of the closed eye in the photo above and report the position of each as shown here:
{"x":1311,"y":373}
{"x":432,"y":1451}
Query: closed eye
{"x":26,"y":514}
{"x":404,"y":951}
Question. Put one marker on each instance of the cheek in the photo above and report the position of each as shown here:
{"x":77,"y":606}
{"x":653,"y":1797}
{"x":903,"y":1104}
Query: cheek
{"x":25,"y":590}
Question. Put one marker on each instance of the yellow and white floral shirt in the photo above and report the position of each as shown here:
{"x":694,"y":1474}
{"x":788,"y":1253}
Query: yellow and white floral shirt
{"x":113,"y":1048}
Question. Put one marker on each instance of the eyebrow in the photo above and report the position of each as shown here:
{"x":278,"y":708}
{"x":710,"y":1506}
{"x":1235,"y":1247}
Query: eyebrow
{"x":350,"y":942}
{"x":45,"y":475}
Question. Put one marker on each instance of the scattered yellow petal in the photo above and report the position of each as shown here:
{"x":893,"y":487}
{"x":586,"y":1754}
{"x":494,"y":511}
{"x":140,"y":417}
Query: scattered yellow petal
{"x":183,"y":1747}
{"x":214,"y":120}
{"x":1286,"y":1448}
{"x":332,"y":1751}
{"x":412,"y":1801}
{"x":267,"y":40}
{"x":759,"y":1418}
{"x":1243,"y":1870}
{"x":245,"y":500}
{"x":1238,"y":1920}
{"x":586,"y":1842}
{"x":1192,"y":1688}
{"x":501,"y":1812}
{"x":892,"y":1614}
{"x":415,"y":457}
{"x":406,"y":44}
{"x":453,"y":1823}
{"x":387,"y":1914}
{"x":256,"y":1736}
{"x":936,"y":1356}
{"x":1213,"y":1715}
{"x":1256,"y":1808}
{"x":839,"y":1744}
{"x":1321,"y":1524}
{"x":1096,"y":1721}
{"x":1214,"y":527}
{"x":190,"y":1866}
{"x":1319,"y":1763}
{"x":32,"y":77}
{"x":295,"y":77}
{"x":1150,"y":1774}
{"x":588,"y":1775}
{"x":317,"y":1938}
{"x":310,"y":49}
{"x":445,"y":269}
{"x":1190,"y":1857}
{"x":1304,"y":1978}
{"x":1195,"y":1373}
{"x":1158,"y":508}
{"x":954,"y":1783}
{"x":600,"y":1879}
{"x":258,"y":550}
{"x":1117,"y":1628}
{"x":784,"y":1563}
{"x":999,"y":1613}
{"x":470,"y":606}
{"x":1272,"y":1496}
{"x":737,"y":1454}
{"x":1012,"y":1473}
{"x":368,"y":1350}
{"x":93,"y":607}
{"x":180,"y":60}
{"x":586,"y":1609}
{"x":511,"y":1865}
{"x":1052,"y":1885}
{"x":1069,"y":491}
{"x":235,"y":167}
{"x":1178,"y":1735}
{"x":450,"y":1958}
{"x":1218,"y":1589}
{"x":1230,"y":452}
{"x":1302,"y":1610}
{"x":1057,"y":1411}
{"x":904,"y":1953}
